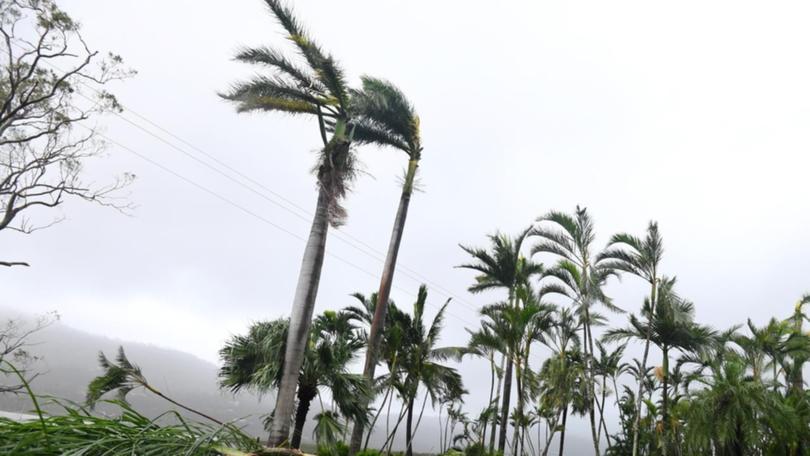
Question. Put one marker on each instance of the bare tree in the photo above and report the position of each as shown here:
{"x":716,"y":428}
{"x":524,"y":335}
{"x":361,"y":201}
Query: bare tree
{"x":15,"y":341}
{"x":46,"y":68}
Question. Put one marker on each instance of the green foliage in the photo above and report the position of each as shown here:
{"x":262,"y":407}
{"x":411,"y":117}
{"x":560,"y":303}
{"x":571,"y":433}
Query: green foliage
{"x":477,"y":449}
{"x":121,"y":376}
{"x":254,"y":361}
{"x":76,"y":432}
{"x":368,"y":452}
{"x":339,"y":448}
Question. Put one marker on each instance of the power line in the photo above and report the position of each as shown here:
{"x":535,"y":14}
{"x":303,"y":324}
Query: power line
{"x":340,"y":234}
{"x":253,"y":213}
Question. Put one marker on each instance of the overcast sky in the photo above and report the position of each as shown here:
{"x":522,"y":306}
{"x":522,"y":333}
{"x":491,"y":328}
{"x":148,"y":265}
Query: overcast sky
{"x":694,"y":114}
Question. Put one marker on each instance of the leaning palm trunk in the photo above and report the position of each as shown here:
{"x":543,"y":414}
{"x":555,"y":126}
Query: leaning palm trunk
{"x":377,"y":416}
{"x":491,"y":395}
{"x":589,"y":379}
{"x":518,"y":408}
{"x":495,"y":415}
{"x":409,"y":442}
{"x":381,"y":310}
{"x":303,"y":305}
{"x":562,"y":431}
{"x":507,"y":391}
{"x":665,"y":401}
{"x":507,"y":386}
{"x":639,"y":397}
{"x":409,"y":427}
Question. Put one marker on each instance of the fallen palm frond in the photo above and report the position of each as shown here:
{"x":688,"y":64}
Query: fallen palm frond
{"x":77,"y":432}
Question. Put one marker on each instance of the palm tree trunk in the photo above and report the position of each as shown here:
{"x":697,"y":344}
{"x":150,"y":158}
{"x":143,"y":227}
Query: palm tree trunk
{"x":551,"y":429}
{"x":419,"y":419}
{"x":409,"y":427}
{"x":491,"y":394}
{"x":507,"y":392}
{"x":495,"y":417}
{"x":441,"y":435}
{"x":518,"y":408}
{"x":562,"y":431}
{"x":665,"y":400}
{"x":381,"y":310}
{"x":377,"y":416}
{"x":300,"y":419}
{"x":589,"y":379}
{"x":189,"y":409}
{"x":637,"y":421}
{"x":389,"y":439}
{"x":602,"y":422}
{"x":303,"y":304}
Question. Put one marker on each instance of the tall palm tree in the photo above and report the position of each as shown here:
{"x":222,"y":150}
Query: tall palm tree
{"x":390,"y":349}
{"x":578,"y":276}
{"x":517,"y":328}
{"x":421,"y":359}
{"x":642,"y":258}
{"x":670,"y":327}
{"x":385,"y":116}
{"x":502,"y":267}
{"x":318,"y":89}
{"x":558,"y":374}
{"x":255,"y":361}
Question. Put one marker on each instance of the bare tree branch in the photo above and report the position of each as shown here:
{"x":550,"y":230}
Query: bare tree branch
{"x":45,"y":61}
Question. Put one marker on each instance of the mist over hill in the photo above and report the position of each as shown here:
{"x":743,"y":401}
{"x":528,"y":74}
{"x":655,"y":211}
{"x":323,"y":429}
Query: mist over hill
{"x":69,"y":361}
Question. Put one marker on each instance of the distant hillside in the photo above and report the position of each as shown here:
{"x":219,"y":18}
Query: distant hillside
{"x":69,"y":362}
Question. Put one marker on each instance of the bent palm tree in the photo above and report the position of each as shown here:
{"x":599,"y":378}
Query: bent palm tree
{"x":484,"y":343}
{"x":122,"y":376}
{"x":672,"y":326}
{"x":640,"y":257}
{"x":502,"y":267}
{"x":578,"y":277}
{"x":319,"y":90}
{"x":420,"y":362}
{"x":384,"y":116}
{"x":255,"y":361}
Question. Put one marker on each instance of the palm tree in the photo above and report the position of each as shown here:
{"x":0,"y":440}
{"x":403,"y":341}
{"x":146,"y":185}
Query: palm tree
{"x":642,"y":258}
{"x":578,"y":277}
{"x":390,"y":348}
{"x":670,"y":327}
{"x":502,"y":267}
{"x":318,"y":89}
{"x":558,"y":374}
{"x":767,"y":341}
{"x":796,"y":368}
{"x":420,"y":360}
{"x":608,"y":365}
{"x":516,"y":328}
{"x":123,"y":376}
{"x":732,"y":414}
{"x":255,"y":361}
{"x":385,"y":116}
{"x":484,"y":343}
